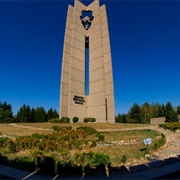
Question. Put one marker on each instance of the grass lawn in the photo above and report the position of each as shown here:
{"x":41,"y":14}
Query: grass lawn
{"x":26,"y":129}
{"x":128,"y":143}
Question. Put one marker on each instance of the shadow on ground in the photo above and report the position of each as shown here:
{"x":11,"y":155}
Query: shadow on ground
{"x":155,"y":169}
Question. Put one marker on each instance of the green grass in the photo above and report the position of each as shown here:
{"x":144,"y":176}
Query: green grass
{"x":132,"y":151}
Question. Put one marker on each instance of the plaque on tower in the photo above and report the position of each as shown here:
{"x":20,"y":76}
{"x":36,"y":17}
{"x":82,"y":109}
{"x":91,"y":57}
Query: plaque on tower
{"x":79,"y":100}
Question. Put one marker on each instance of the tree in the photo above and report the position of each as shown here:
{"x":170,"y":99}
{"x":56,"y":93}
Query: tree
{"x":51,"y":114}
{"x":118,"y":118}
{"x":24,"y":114}
{"x":158,"y":110}
{"x":6,"y":114}
{"x":32,"y":115}
{"x":161,"y":111}
{"x":147,"y":112}
{"x":7,"y":117}
{"x":178,"y":109}
{"x":81,"y":159}
{"x":135,"y":115}
{"x":121,"y":118}
{"x":1,"y":114}
{"x":97,"y":159}
{"x":93,"y":160}
{"x":40,"y":115}
{"x":170,"y":113}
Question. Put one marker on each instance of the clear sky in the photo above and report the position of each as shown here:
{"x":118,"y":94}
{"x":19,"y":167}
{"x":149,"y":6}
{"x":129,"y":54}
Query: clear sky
{"x":145,"y":47}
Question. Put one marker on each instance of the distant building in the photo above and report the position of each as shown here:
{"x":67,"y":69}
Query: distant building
{"x":159,"y":120}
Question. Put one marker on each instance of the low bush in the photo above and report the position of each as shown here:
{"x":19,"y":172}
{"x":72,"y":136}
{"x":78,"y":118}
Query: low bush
{"x":124,"y":159}
{"x":75,"y":119}
{"x":65,"y":128}
{"x":88,"y":130}
{"x":64,"y":120}
{"x":56,"y":128}
{"x":160,"y":142}
{"x":89,"y":119}
{"x":36,"y":136}
{"x":171,"y":126}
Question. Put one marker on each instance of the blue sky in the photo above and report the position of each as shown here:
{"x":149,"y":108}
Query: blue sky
{"x":145,"y":45}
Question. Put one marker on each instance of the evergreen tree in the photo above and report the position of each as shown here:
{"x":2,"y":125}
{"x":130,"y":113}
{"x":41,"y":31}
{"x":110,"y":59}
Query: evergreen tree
{"x":118,"y":118}
{"x":147,"y":112}
{"x":51,"y":114}
{"x":40,"y":115}
{"x":135,"y":114}
{"x":178,"y":109}
{"x":121,"y":118}
{"x":32,"y":115}
{"x":24,"y":114}
{"x":170,"y":113}
{"x":6,"y":114}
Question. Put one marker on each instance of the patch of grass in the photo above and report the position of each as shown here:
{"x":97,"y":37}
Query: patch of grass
{"x":129,"y":135}
{"x":27,"y":129}
{"x":117,"y":160}
{"x":132,"y":151}
{"x":24,"y":129}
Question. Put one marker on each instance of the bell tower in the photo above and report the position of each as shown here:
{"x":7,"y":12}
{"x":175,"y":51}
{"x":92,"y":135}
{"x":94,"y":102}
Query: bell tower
{"x":87,"y":88}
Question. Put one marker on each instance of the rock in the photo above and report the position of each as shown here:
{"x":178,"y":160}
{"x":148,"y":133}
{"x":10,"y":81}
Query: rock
{"x":147,"y":156}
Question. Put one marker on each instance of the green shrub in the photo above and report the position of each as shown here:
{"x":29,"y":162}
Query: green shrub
{"x":11,"y":146}
{"x":100,"y":137}
{"x":89,"y":119}
{"x":171,"y":126}
{"x":56,"y":128}
{"x":88,"y":130}
{"x":160,"y":142}
{"x":54,"y":120}
{"x":2,"y":141}
{"x":75,"y":119}
{"x":65,"y":128}
{"x":124,"y":159}
{"x":37,"y":136}
{"x":64,"y":120}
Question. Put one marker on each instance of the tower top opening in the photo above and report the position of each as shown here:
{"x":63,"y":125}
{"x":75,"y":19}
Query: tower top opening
{"x":86,"y":2}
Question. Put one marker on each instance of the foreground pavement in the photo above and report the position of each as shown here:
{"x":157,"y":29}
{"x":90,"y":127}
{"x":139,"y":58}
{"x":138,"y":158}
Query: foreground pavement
{"x":171,"y":171}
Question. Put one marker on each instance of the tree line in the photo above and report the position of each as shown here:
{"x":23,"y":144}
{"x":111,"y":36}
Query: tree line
{"x":136,"y":114}
{"x":25,"y":114}
{"x":143,"y":113}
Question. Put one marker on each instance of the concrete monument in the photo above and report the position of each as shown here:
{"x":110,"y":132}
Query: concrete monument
{"x":86,"y":77}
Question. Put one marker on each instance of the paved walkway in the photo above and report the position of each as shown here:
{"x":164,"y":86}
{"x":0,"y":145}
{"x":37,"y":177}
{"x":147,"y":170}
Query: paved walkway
{"x":172,"y":147}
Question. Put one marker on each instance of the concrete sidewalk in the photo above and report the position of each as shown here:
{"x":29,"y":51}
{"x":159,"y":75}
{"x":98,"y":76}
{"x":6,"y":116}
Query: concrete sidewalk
{"x":166,"y":172}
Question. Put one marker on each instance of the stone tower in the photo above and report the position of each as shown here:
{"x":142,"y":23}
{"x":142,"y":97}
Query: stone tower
{"x":86,"y":78}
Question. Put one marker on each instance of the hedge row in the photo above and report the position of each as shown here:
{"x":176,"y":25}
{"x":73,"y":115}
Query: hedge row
{"x":171,"y":126}
{"x":75,"y":120}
